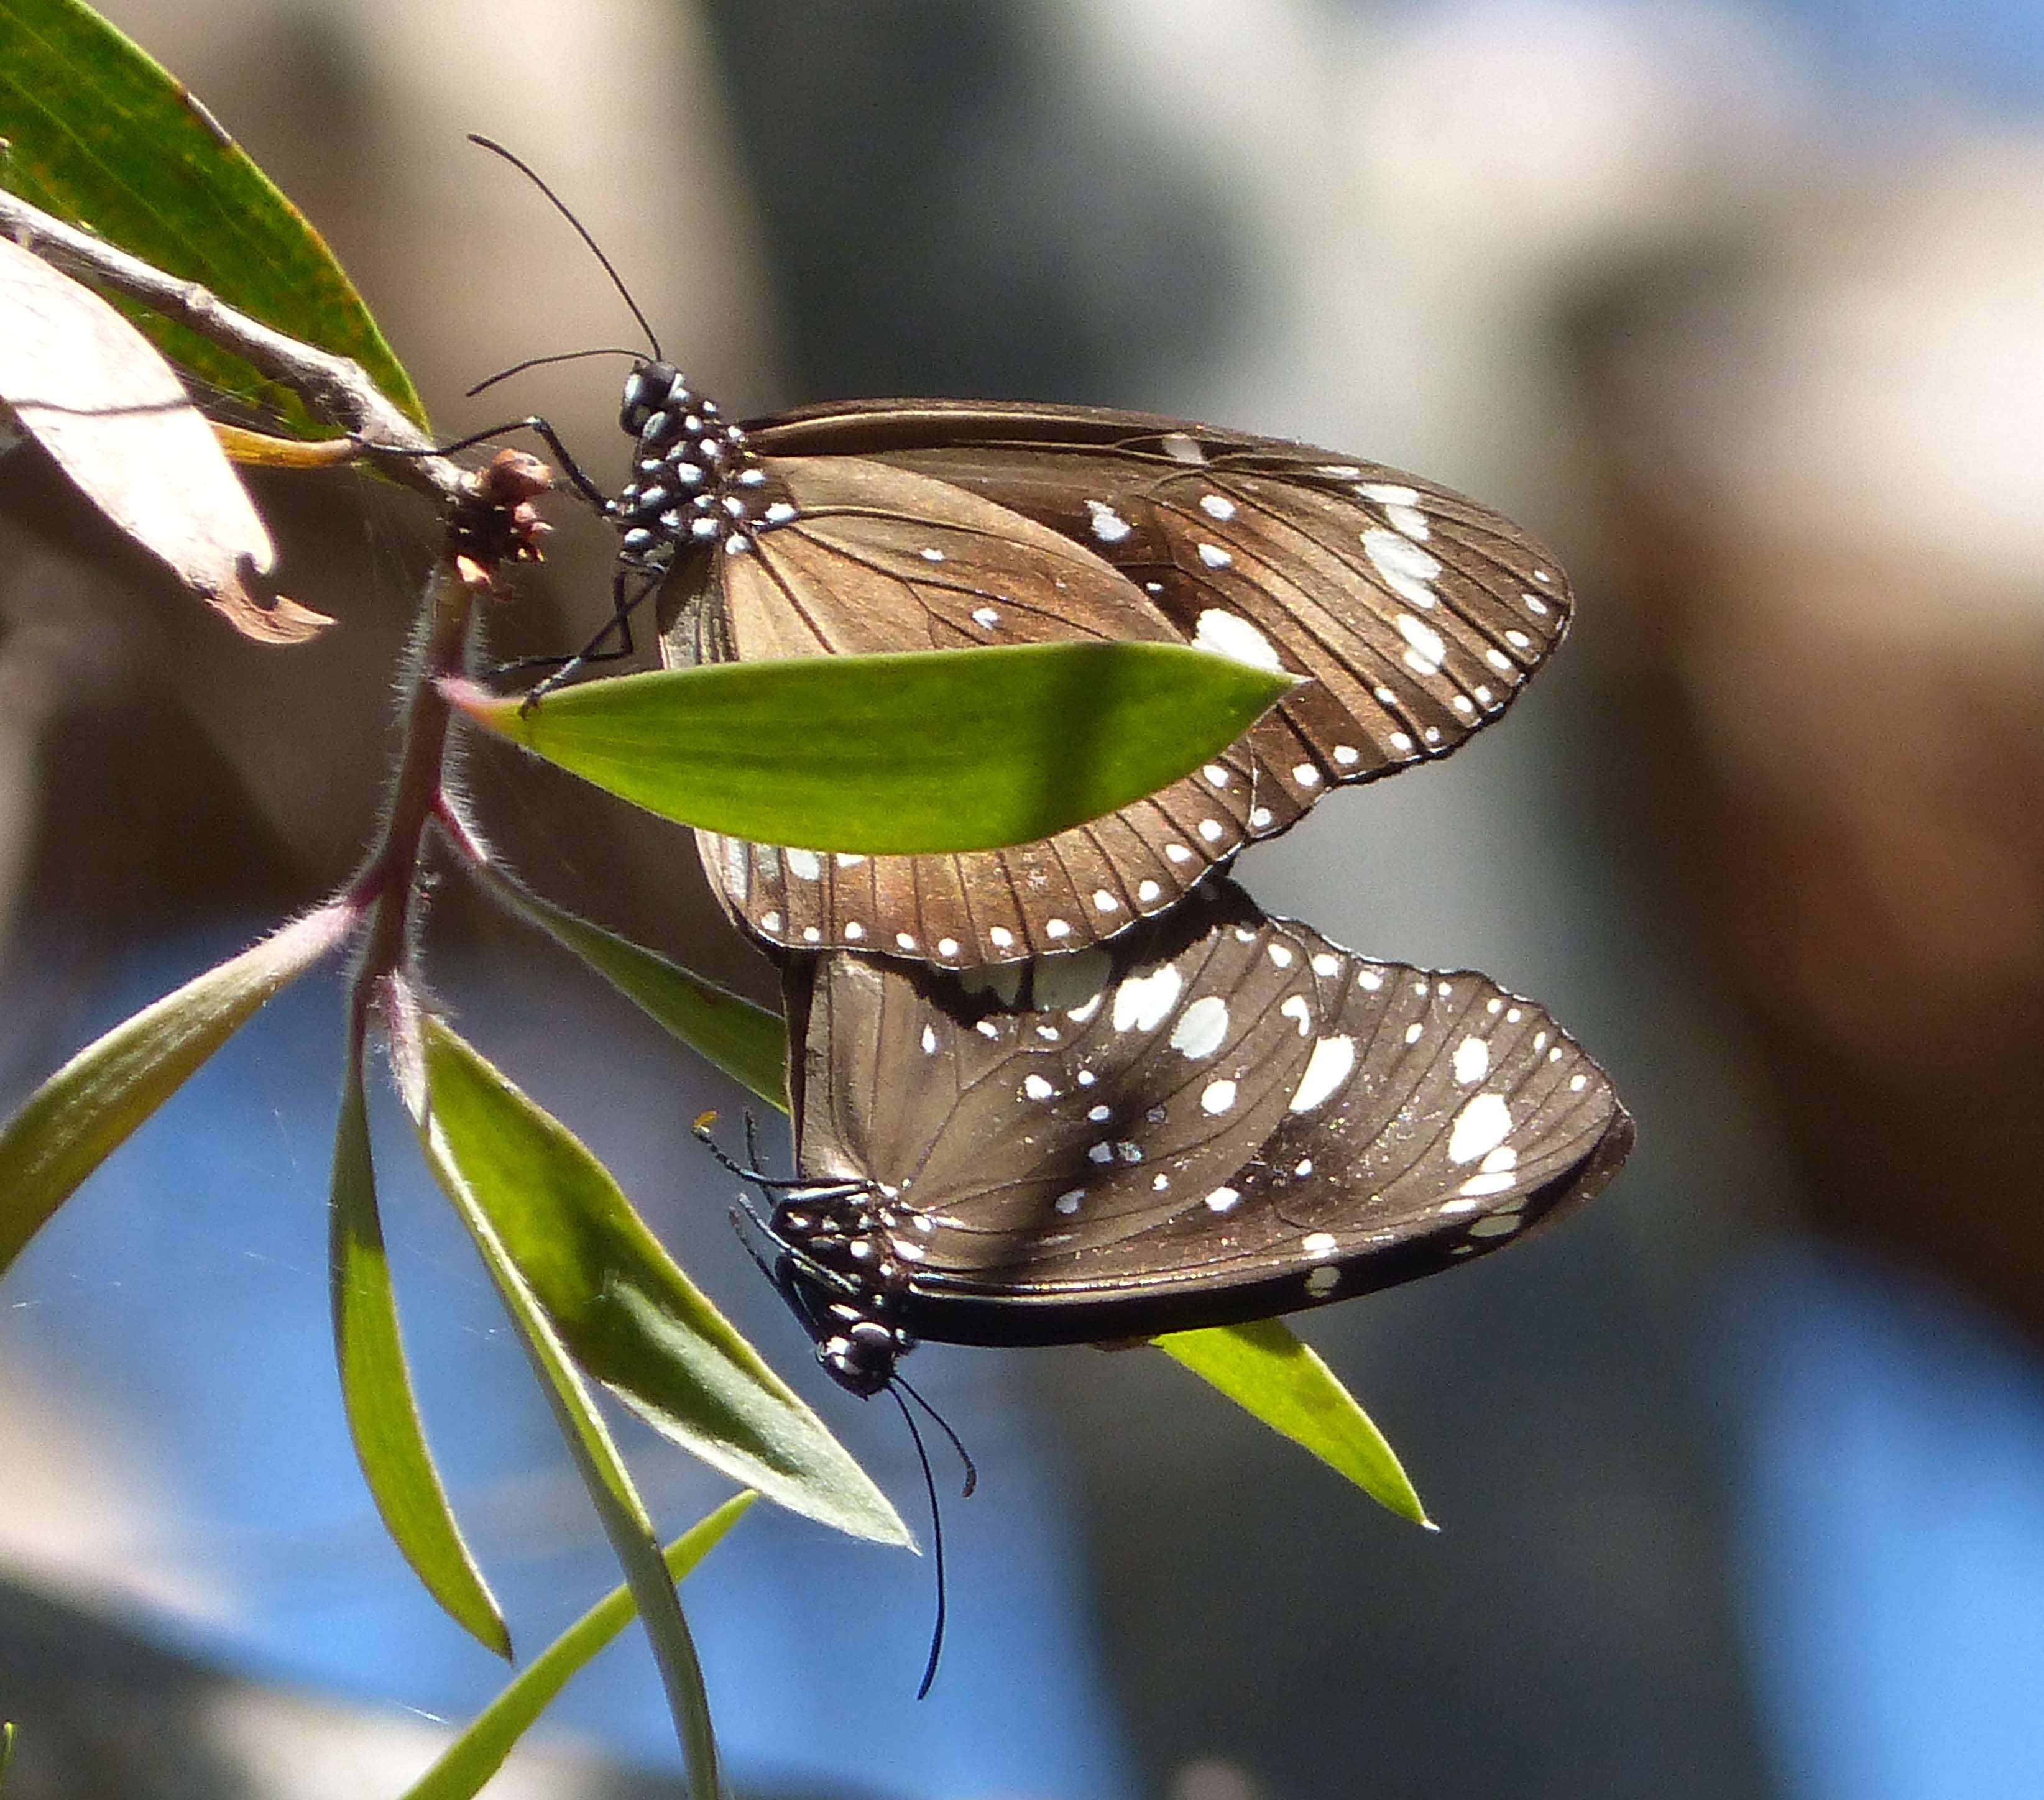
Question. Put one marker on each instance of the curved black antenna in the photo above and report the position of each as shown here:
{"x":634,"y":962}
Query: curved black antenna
{"x":541,"y":363}
{"x":971,"y":1472}
{"x":936,"y":1539}
{"x":582,"y":231}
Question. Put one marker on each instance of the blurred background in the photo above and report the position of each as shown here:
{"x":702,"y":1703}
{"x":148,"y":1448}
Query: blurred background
{"x":1741,"y":1476}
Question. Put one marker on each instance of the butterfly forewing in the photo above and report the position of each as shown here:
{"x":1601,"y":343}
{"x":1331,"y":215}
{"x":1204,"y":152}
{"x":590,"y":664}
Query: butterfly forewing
{"x":881,"y":559}
{"x":1233,"y":1118}
{"x":917,"y":525}
{"x":1418,"y":612}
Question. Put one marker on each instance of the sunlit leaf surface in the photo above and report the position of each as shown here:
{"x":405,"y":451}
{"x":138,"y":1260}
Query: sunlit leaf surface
{"x":1266,"y":1371}
{"x":932,"y":751}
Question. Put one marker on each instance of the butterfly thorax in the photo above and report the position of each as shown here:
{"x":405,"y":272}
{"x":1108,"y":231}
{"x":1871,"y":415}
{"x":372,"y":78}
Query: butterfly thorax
{"x":695,"y":482}
{"x":844,"y":1269}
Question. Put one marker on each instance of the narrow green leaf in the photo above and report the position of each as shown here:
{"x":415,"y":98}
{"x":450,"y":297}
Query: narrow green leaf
{"x":929,"y":751}
{"x":631,"y":1319}
{"x":422,"y":1066}
{"x":101,"y":135}
{"x":7,"y":1748}
{"x":376,"y":1387}
{"x":476,"y":1755}
{"x":747,"y":1042}
{"x":79,"y":1117}
{"x":1266,"y":1371}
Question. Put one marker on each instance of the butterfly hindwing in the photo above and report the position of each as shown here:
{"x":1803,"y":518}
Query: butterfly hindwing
{"x":1221,"y":1118}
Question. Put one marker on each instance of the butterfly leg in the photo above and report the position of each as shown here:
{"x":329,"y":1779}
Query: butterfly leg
{"x":533,"y":423}
{"x":599,"y":649}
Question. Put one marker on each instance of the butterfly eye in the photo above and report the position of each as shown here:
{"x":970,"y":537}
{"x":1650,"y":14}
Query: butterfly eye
{"x":648,"y":388}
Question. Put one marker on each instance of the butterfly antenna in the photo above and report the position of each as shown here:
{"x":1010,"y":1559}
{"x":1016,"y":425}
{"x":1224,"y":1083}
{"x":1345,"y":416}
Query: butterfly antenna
{"x":936,"y":1538}
{"x":541,"y":363}
{"x":971,"y":1472}
{"x":582,"y":231}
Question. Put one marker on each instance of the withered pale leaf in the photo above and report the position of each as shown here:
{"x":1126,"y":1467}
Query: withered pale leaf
{"x":96,"y":396}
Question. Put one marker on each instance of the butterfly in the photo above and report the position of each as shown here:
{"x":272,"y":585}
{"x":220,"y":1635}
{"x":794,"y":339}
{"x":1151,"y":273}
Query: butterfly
{"x":896,"y":525}
{"x":1220,"y":1116}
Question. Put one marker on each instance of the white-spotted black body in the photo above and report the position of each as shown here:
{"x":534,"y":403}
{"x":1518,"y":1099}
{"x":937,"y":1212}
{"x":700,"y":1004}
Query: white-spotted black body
{"x":841,"y":1271}
{"x":694,"y":481}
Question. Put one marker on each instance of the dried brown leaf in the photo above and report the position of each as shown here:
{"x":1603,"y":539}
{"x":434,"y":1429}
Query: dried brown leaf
{"x":96,"y":396}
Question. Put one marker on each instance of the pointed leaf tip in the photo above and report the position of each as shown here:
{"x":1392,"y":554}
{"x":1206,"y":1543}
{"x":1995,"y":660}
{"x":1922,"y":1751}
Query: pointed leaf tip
{"x":376,"y":1389}
{"x":628,"y":1315}
{"x":1264,"y":1368}
{"x":85,"y":1111}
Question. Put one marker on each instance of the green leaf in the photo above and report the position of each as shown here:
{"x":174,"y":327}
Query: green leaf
{"x":79,"y":1117}
{"x":630,"y":1319}
{"x":7,"y":1748}
{"x":101,"y":135}
{"x":926,"y":751}
{"x":1273,"y":1377}
{"x":747,"y":1042}
{"x":422,"y":1067}
{"x":376,"y":1387}
{"x":476,"y":1755}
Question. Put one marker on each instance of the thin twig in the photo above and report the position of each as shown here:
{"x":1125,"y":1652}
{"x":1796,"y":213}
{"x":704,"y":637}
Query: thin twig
{"x":333,"y":386}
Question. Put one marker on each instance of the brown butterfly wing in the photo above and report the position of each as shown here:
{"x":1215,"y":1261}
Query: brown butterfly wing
{"x":885,"y":558}
{"x":1223,"y":1116}
{"x":1419,"y":613}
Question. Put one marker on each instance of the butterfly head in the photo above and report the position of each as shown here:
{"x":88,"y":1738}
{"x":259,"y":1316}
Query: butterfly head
{"x":651,"y":386}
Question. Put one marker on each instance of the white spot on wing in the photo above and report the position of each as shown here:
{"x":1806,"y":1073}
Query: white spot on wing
{"x":1317,"y":1243}
{"x":1429,"y":650}
{"x":1226,"y":634}
{"x":1217,"y":1096}
{"x":804,"y":865}
{"x":1143,"y":1001}
{"x":929,"y":1041}
{"x":1217,"y":506}
{"x":1295,"y":1009}
{"x":1327,"y":1069}
{"x":1109,"y":525}
{"x":1472,"y":1062}
{"x":1201,"y":1029}
{"x":1182,"y":447}
{"x":1389,"y":493}
{"x":1403,"y":567}
{"x":1222,"y":1198}
{"x":1479,"y":1128}
{"x":1323,"y":1282}
{"x":1035,"y":1087}
{"x":1214,"y":557}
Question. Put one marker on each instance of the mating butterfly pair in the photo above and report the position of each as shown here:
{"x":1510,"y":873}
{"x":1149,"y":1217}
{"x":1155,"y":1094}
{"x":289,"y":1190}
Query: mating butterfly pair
{"x":1195,"y":1114}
